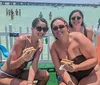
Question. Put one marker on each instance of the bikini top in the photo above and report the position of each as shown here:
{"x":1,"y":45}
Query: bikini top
{"x":33,"y":54}
{"x":79,"y":59}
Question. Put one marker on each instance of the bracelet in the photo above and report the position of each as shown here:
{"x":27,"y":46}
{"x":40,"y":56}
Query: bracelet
{"x":29,"y":82}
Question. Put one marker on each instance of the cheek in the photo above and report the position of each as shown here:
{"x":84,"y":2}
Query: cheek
{"x":72,"y":21}
{"x":53,"y":33}
{"x":81,"y":21}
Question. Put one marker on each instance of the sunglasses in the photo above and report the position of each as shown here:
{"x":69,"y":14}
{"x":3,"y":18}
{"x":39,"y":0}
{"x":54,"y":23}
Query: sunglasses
{"x":76,"y":18}
{"x":56,"y":27}
{"x":39,"y":28}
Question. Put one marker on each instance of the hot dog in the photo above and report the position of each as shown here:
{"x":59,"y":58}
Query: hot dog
{"x":29,"y":50}
{"x":66,"y":61}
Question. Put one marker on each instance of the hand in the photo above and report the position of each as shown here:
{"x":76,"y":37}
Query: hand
{"x":71,"y":68}
{"x":30,"y":83}
{"x":28,"y":53}
{"x":40,"y":46}
{"x":29,"y":50}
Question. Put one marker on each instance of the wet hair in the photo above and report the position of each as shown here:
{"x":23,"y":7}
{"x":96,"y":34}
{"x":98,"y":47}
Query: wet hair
{"x":70,"y":24}
{"x":37,"y":20}
{"x":59,"y":18}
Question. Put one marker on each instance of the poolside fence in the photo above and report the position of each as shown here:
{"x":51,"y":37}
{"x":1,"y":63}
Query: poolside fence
{"x":8,"y":37}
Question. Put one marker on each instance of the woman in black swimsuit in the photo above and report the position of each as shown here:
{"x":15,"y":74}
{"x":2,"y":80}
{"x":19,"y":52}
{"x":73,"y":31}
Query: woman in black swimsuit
{"x":76,"y":23}
{"x":77,"y":48}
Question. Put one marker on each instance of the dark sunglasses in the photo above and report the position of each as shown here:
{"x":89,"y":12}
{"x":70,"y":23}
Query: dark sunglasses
{"x":76,"y":18}
{"x":56,"y":27}
{"x":39,"y":28}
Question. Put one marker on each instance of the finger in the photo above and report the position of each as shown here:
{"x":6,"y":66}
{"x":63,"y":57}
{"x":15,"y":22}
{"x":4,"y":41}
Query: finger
{"x":30,"y":48}
{"x":68,"y":67}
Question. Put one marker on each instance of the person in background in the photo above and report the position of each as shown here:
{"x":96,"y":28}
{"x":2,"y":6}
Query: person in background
{"x":78,"y":50}
{"x":16,"y":12}
{"x":50,"y":15}
{"x":98,"y":24}
{"x":20,"y":12}
{"x":12,"y":14}
{"x":13,"y":70}
{"x":76,"y":23}
{"x":6,"y":11}
{"x":40,"y":15}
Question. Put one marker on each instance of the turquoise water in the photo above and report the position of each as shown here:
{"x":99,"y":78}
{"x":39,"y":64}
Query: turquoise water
{"x":28,"y":13}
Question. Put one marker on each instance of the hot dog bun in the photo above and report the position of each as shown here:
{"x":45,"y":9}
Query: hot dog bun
{"x":29,"y":50}
{"x":66,"y":61}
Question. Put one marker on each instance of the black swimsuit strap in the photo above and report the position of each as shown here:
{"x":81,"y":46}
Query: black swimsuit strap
{"x":85,"y":31}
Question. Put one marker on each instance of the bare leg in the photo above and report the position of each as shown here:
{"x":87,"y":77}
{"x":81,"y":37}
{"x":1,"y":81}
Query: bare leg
{"x":62,"y":83}
{"x":93,"y":79}
{"x":73,"y":82}
{"x":42,"y":76}
{"x":12,"y":81}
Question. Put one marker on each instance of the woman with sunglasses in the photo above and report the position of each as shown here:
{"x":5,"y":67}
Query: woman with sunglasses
{"x":13,"y":71}
{"x":76,"y":23}
{"x":70,"y":46}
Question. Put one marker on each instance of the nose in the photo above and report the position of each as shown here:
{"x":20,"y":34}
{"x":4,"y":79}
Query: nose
{"x":42,"y":31}
{"x":58,"y":28}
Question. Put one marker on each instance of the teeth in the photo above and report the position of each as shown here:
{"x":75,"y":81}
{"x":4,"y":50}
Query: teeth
{"x":76,"y":22}
{"x":40,"y":35}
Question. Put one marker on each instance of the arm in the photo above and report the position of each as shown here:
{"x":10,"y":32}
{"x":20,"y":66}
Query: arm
{"x":16,"y":60}
{"x":63,"y":74}
{"x":34,"y":67}
{"x":88,"y":50}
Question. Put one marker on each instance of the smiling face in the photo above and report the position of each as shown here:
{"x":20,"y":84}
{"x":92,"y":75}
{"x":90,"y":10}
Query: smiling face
{"x":76,"y":19}
{"x":40,"y":30}
{"x":59,"y":29}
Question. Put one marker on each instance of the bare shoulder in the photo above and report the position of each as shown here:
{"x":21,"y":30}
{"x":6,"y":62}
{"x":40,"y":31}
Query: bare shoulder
{"x":19,"y":42}
{"x":78,"y":36}
{"x":23,"y":37}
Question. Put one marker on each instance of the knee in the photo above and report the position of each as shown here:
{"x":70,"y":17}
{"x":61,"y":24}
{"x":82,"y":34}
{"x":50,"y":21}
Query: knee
{"x":46,"y":75}
{"x":61,"y":83}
